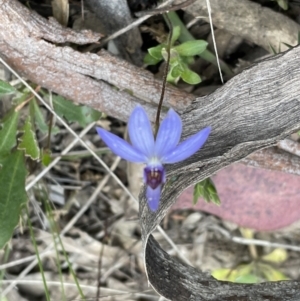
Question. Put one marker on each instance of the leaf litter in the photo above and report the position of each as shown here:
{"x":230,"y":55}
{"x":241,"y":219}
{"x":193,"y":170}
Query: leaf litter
{"x":108,"y":232}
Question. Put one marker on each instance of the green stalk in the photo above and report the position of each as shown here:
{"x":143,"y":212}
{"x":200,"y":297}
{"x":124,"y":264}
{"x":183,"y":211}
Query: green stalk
{"x":47,"y":294}
{"x":55,"y":233}
{"x":185,"y":35}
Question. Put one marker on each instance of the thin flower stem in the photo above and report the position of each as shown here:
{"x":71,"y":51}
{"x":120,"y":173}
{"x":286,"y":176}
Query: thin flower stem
{"x":165,"y":74}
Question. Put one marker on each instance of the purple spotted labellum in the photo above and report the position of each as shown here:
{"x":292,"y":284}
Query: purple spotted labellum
{"x":154,"y":153}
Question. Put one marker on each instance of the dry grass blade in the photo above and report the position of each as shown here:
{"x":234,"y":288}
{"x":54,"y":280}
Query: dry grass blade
{"x":214,"y":40}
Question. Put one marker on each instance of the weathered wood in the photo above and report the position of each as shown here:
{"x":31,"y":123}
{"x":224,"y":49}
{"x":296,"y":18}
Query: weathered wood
{"x":27,"y":43}
{"x":254,"y":110}
{"x":251,"y":21}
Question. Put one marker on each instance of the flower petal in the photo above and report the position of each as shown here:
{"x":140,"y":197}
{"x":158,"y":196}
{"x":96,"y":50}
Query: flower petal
{"x":168,"y":134}
{"x":187,"y":148}
{"x":120,"y":147}
{"x":153,"y":197}
{"x":140,"y":131}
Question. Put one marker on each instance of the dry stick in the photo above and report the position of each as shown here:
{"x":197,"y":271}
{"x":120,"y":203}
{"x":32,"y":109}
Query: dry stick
{"x":273,"y":158}
{"x":213,"y":39}
{"x":117,"y":292}
{"x":152,"y":12}
{"x":252,"y":241}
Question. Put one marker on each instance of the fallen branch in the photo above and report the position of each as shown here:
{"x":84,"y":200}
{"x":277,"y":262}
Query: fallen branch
{"x":251,"y":21}
{"x":254,"y":110}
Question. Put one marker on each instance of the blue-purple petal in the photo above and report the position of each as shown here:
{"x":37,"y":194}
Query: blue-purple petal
{"x":120,"y":147}
{"x":153,"y":197}
{"x":187,"y":148}
{"x":140,"y":131}
{"x":168,"y":134}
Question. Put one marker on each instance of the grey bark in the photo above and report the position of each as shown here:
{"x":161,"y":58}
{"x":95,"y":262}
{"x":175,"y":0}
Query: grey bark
{"x":115,"y":15}
{"x":251,"y":21}
{"x":254,"y":110}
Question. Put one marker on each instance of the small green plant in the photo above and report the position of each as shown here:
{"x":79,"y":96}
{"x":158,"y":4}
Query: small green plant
{"x":18,"y":144}
{"x":256,"y":271}
{"x":283,"y":4}
{"x":206,"y":189}
{"x":274,"y":51}
{"x":181,"y":56}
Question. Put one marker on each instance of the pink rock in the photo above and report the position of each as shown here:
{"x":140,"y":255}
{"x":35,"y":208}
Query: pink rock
{"x":255,"y":198}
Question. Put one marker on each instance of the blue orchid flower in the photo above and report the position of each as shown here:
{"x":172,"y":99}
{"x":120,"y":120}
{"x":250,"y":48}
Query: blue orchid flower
{"x":154,"y":152}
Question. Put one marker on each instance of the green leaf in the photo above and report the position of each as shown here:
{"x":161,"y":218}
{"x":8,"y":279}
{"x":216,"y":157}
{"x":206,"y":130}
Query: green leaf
{"x":28,"y":141}
{"x":287,"y":45}
{"x":273,"y":49}
{"x":150,"y":60}
{"x":207,"y":190}
{"x":155,"y":52}
{"x":249,"y":278}
{"x":175,"y":34}
{"x":174,"y":56}
{"x":8,"y":133}
{"x":13,"y":195}
{"x":6,"y":88}
{"x":283,"y":4}
{"x":242,"y":274}
{"x":176,"y":70}
{"x":190,"y":77}
{"x":277,"y":256}
{"x":89,"y":115}
{"x":172,"y":80}
{"x":39,"y":118}
{"x":272,"y":274}
{"x":82,"y":114}
{"x":191,"y":48}
{"x":224,"y":274}
{"x":188,"y":60}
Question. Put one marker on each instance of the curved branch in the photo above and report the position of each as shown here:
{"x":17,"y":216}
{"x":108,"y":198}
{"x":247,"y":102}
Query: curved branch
{"x":254,"y":110}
